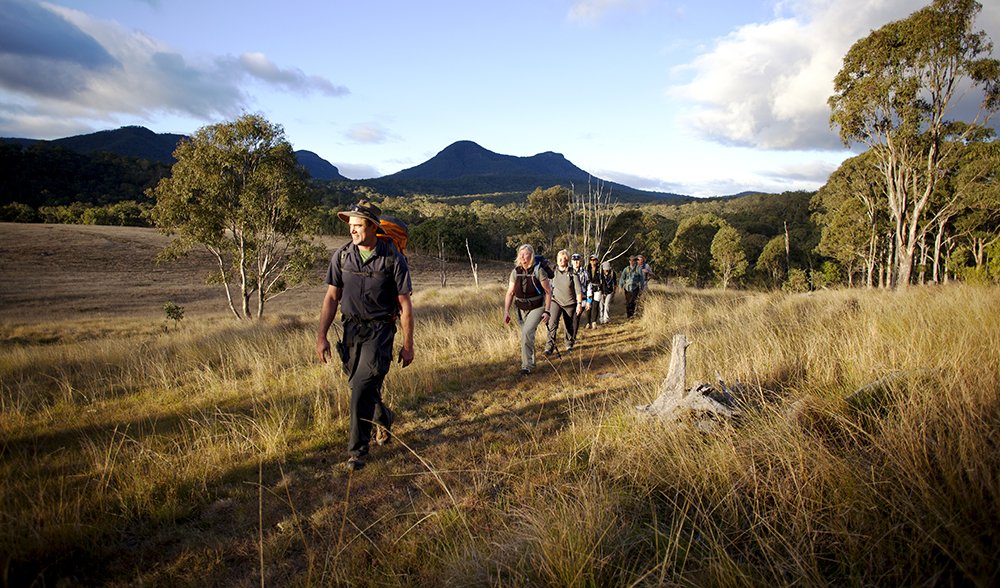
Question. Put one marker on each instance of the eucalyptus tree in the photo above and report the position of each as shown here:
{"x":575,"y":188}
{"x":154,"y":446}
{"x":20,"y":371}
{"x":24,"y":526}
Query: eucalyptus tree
{"x":976,"y":223}
{"x":895,"y":93}
{"x":692,"y":244}
{"x":773,"y":262}
{"x":546,"y":220}
{"x":849,"y":210}
{"x":238,"y":192}
{"x":728,"y":258}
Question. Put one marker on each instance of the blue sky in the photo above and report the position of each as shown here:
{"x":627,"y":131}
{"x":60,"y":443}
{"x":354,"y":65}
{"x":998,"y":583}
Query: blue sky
{"x":699,"y":97}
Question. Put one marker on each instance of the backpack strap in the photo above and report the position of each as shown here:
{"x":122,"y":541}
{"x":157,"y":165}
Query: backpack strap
{"x":390,"y":262}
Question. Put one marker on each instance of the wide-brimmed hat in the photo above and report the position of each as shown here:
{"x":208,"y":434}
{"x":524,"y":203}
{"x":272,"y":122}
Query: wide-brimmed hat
{"x":363,"y":209}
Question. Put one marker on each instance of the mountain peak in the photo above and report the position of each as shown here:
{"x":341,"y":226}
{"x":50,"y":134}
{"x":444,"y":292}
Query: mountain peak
{"x":463,"y":159}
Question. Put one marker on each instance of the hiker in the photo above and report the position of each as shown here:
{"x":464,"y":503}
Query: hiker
{"x":528,"y":289}
{"x":647,"y":271}
{"x":593,"y":292}
{"x":369,"y":280}
{"x":567,"y":298}
{"x":608,"y":285}
{"x":576,"y":264}
{"x":631,"y":282}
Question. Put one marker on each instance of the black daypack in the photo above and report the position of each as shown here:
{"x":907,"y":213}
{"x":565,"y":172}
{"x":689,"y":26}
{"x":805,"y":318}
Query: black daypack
{"x":546,"y":266}
{"x":532,"y":295}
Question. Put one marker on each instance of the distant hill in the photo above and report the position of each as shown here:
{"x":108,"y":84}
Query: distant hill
{"x":465,"y":167}
{"x":318,"y":168}
{"x":138,"y":142}
{"x":142,"y":143}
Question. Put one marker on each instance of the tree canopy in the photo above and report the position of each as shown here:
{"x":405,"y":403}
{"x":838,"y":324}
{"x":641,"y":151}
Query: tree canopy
{"x":237,"y":191}
{"x":895,"y":93}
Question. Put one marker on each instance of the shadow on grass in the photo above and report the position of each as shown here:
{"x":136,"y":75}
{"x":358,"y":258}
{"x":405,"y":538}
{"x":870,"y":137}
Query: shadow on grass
{"x":304,"y":488}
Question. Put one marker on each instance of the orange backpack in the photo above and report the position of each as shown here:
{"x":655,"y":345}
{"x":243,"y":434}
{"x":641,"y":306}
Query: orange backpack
{"x":394,"y":230}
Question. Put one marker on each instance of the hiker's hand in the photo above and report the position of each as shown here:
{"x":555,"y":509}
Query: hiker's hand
{"x":322,"y":349}
{"x":506,"y":317}
{"x":406,"y":356}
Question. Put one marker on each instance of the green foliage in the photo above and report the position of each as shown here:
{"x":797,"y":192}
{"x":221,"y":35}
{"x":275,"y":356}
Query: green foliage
{"x":451,"y":232}
{"x":71,"y":214}
{"x":798,"y":281}
{"x":42,"y":175}
{"x":174,"y":312}
{"x":127,"y":213}
{"x":17,"y":212}
{"x":853,"y":220}
{"x":772,"y":263}
{"x":728,"y":258}
{"x":828,"y":275}
{"x":546,"y":218}
{"x":893,"y":93}
{"x":691,"y":247}
{"x":237,"y":191}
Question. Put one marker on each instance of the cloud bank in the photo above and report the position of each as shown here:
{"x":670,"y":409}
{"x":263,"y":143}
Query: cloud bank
{"x":60,"y":70}
{"x":766,"y":85}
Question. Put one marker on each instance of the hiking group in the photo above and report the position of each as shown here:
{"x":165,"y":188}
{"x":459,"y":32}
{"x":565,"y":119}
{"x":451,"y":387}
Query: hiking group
{"x":368,"y":280}
{"x":569,"y":293}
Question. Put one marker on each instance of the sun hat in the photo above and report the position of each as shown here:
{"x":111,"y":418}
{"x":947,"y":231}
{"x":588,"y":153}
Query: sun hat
{"x":363,"y":209}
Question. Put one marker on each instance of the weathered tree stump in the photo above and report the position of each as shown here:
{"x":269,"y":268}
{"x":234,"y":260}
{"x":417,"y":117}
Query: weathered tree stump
{"x":702,"y":406}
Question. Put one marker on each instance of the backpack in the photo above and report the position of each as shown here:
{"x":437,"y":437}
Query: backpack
{"x":545,"y":265}
{"x":392,"y":229}
{"x":541,"y":269}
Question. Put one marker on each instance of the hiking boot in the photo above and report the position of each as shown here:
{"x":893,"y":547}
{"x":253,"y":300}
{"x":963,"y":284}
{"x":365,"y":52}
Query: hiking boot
{"x":354,"y":463}
{"x":569,"y":348}
{"x":548,"y":350}
{"x":524,"y":371}
{"x":383,"y":432}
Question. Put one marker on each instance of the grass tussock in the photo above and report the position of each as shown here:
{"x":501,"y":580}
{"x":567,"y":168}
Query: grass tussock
{"x":866,"y":453}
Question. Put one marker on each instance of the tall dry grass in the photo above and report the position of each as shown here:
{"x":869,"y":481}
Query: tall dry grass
{"x":866,"y":455}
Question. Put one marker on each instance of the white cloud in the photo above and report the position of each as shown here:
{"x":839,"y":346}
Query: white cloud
{"x":371,"y":133}
{"x":294,"y":79}
{"x":93,"y":70}
{"x":765,"y":85}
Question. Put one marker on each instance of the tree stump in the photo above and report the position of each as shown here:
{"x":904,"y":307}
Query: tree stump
{"x":702,"y":406}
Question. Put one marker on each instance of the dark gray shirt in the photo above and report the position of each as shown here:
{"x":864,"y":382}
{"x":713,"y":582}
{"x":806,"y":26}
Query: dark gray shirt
{"x":369,"y":290}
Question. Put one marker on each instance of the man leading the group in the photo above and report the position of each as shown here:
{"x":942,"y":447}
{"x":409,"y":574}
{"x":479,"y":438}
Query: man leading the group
{"x":369,"y":280}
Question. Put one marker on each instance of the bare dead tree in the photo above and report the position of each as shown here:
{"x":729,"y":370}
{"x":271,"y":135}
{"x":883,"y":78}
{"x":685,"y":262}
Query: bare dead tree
{"x":442,"y":260}
{"x":475,"y":266}
{"x":591,"y":214}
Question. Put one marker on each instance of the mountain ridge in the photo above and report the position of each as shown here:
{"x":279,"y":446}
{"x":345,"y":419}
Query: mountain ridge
{"x":142,"y":143}
{"x":460,"y":169}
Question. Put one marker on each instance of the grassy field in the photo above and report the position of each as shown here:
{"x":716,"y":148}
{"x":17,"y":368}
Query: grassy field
{"x":138,"y":452}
